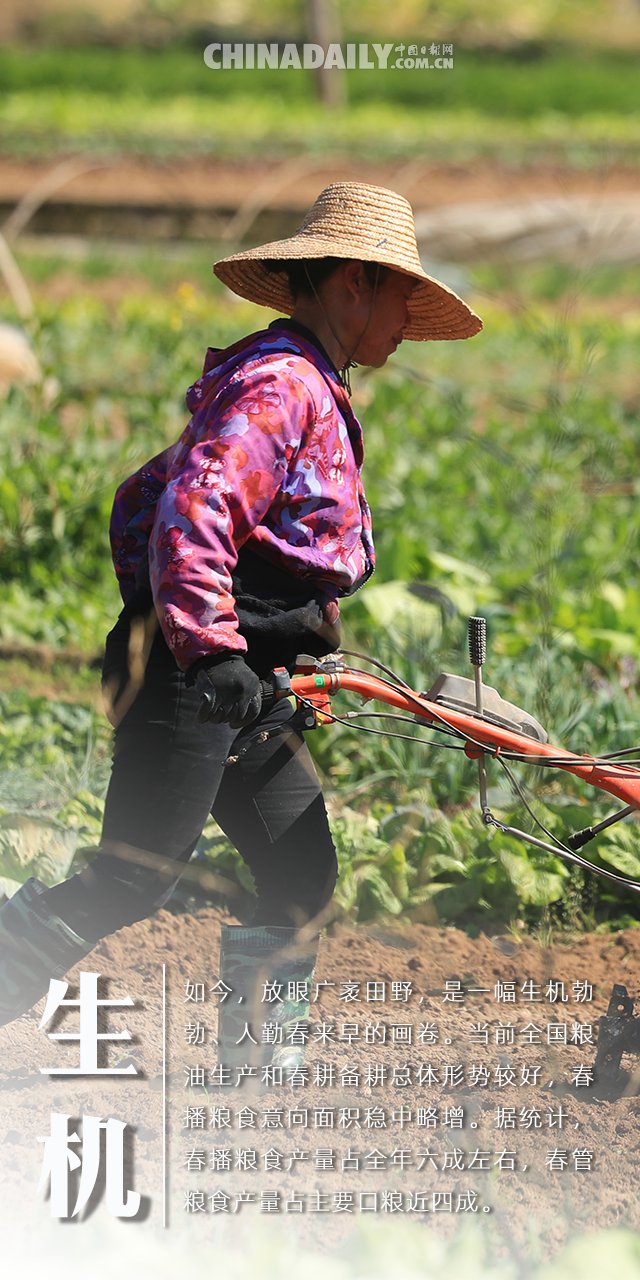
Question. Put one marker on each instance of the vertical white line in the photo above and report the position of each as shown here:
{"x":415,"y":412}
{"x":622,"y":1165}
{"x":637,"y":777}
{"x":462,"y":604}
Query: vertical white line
{"x":164,"y":1095}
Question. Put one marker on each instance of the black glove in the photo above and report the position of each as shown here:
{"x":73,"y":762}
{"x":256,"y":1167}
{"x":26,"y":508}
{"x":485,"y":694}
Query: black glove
{"x":275,"y":632}
{"x":323,"y":621}
{"x":233,"y":687}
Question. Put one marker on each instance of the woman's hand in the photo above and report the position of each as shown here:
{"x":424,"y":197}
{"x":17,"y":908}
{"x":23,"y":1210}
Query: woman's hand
{"x":232,"y":687}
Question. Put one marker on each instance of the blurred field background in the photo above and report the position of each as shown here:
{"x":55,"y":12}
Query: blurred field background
{"x":502,"y":472}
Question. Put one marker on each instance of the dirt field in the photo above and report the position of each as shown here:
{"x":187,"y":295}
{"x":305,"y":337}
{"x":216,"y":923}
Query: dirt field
{"x":481,"y":212}
{"x":295,"y":183}
{"x":499,"y":1160}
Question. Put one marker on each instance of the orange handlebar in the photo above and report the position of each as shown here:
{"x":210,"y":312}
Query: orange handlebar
{"x":621,"y":780}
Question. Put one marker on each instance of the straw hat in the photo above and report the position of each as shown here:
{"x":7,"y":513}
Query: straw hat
{"x":355,"y":221}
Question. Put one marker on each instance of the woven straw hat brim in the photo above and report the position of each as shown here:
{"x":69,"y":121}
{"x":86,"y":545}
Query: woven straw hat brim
{"x":354,"y":220}
{"x":435,"y":311}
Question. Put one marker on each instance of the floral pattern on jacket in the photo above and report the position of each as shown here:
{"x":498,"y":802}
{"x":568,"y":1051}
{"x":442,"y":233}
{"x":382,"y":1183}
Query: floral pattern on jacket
{"x":271,"y":458}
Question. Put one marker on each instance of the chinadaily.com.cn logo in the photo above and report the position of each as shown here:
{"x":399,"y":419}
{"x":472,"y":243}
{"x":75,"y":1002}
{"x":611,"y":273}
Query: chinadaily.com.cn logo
{"x":345,"y":57}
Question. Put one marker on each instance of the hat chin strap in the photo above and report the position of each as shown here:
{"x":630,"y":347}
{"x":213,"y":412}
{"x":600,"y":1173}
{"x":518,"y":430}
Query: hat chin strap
{"x":349,"y":362}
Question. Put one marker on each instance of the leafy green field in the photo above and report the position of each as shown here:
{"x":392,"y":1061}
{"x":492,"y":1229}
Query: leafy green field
{"x":524,"y":84}
{"x":503,"y":479}
{"x":558,"y":103}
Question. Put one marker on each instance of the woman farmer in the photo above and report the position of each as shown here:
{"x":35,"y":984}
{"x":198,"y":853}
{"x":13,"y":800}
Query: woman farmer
{"x":232,"y":549}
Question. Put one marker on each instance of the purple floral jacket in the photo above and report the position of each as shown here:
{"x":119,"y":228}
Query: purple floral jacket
{"x":271,"y":458}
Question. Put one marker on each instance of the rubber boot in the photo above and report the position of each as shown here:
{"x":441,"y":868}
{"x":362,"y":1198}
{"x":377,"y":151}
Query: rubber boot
{"x":35,"y":946}
{"x":249,"y":958}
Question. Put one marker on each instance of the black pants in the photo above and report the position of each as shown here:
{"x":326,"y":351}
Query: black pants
{"x":168,"y":776}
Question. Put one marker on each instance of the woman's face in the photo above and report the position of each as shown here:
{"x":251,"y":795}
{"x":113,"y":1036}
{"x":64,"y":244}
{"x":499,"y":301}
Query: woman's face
{"x":384,"y":314}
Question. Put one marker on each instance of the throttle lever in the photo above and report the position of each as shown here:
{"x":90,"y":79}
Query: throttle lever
{"x":477,"y":629}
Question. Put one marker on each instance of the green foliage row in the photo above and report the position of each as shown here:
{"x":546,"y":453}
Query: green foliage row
{"x":167,"y":102}
{"x":568,"y":81}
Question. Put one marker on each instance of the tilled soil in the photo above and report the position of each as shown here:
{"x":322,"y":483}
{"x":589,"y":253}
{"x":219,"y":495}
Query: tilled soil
{"x":292,"y":184}
{"x":448,"y":1078}
{"x":215,"y":200}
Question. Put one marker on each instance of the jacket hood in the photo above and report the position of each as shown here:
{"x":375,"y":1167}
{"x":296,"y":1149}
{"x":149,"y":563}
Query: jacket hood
{"x":220,"y":362}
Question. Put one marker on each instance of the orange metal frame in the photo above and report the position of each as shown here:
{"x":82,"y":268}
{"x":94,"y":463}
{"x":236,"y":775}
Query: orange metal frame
{"x":621,"y":780}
